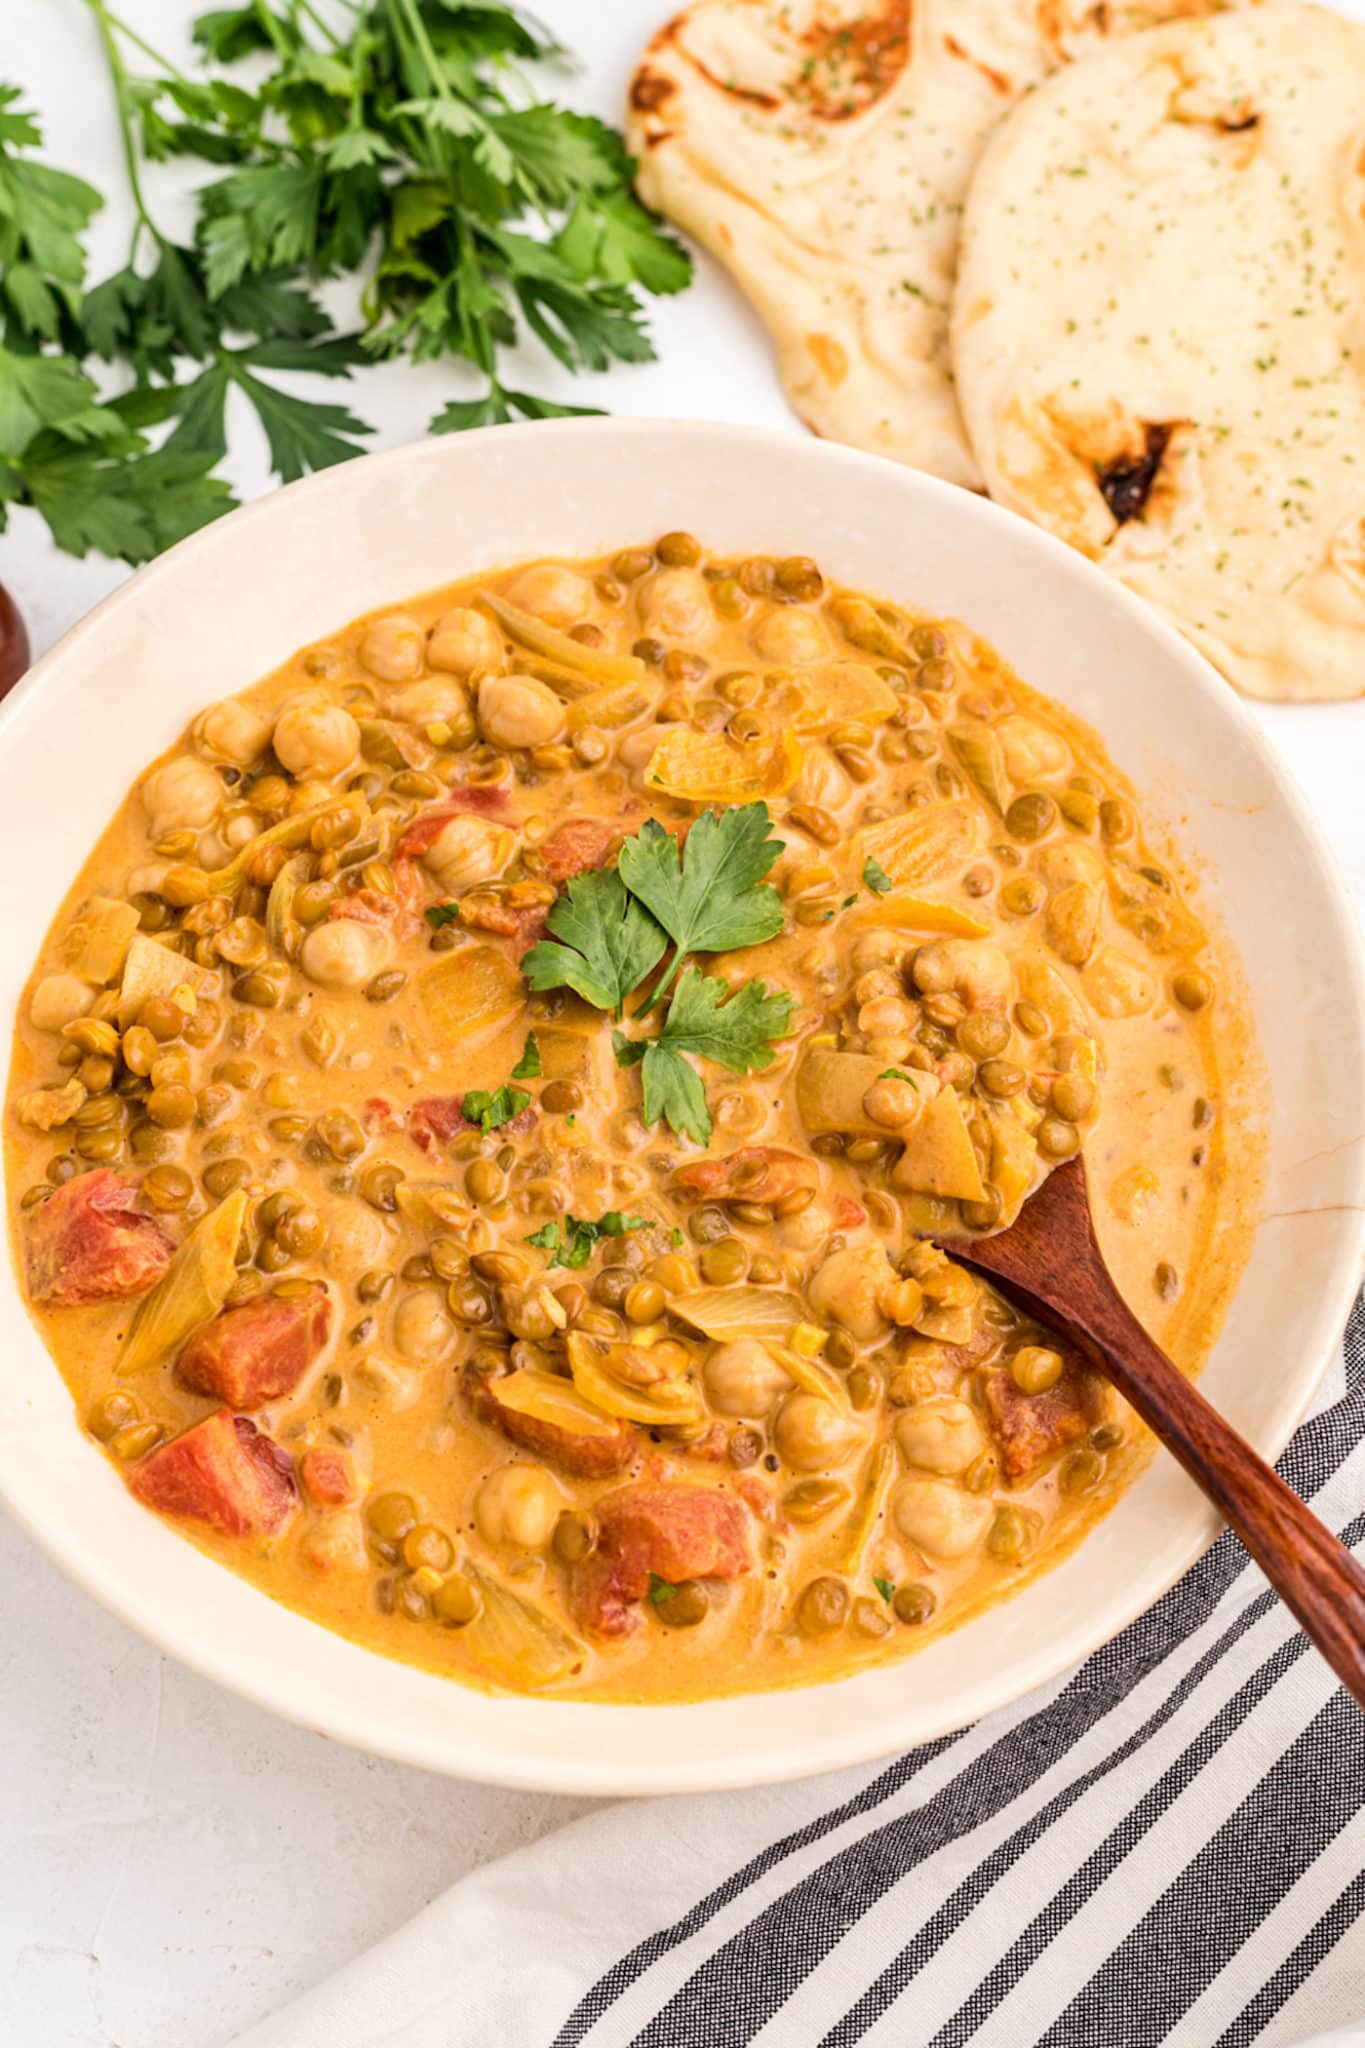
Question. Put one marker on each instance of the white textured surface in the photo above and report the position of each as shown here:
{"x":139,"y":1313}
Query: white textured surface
{"x":174,"y":1864}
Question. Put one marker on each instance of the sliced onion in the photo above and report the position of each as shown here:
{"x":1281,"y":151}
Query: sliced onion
{"x":191,"y":1290}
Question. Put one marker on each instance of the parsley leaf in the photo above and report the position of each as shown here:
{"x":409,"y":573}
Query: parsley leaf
{"x":491,"y":1112}
{"x":610,"y":943}
{"x":886,"y":1587}
{"x":876,"y":878}
{"x":673,"y":1092}
{"x":706,"y":1018}
{"x":438,"y":915}
{"x":709,"y":896}
{"x":660,"y":1591}
{"x":733,"y":1030}
{"x":527,"y":1067}
{"x":572,"y":1242}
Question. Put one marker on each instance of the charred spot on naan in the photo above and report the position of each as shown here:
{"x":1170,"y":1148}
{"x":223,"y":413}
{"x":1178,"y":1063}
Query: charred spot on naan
{"x":1126,"y":480}
{"x":1090,"y":469}
{"x":852,"y":64}
{"x":843,"y":66}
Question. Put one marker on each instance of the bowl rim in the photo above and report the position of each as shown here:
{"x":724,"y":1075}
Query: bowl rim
{"x":447,"y":1750}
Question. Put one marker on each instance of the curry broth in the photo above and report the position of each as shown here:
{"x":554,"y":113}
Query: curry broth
{"x":867,"y":1527}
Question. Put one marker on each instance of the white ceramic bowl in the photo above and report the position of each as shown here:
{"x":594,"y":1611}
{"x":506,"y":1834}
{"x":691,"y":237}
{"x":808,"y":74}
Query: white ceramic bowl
{"x":226,"y":606}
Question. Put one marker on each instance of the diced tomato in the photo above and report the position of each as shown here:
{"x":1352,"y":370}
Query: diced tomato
{"x":757,"y":1173}
{"x":224,"y":1472}
{"x":1031,"y":1427}
{"x":522,"y":923}
{"x":372,"y":906}
{"x":408,"y":886}
{"x":328,"y":1477}
{"x":440,"y":1118}
{"x":586,"y":1457}
{"x":259,"y":1352}
{"x":531,"y":928}
{"x":848,"y":1214}
{"x":574,"y":847}
{"x":666,"y":1532}
{"x":87,"y":1243}
{"x":476,"y":799}
{"x":380,"y":1116}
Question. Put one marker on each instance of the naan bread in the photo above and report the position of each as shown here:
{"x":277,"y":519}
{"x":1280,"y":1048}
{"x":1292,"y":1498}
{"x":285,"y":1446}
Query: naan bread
{"x":822,"y":149}
{"x":1159,"y":333}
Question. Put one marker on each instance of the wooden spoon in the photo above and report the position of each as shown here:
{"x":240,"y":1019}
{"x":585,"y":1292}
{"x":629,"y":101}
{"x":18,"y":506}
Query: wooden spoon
{"x":1050,"y":1264}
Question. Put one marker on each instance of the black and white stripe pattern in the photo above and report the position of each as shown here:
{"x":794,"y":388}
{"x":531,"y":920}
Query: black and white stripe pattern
{"x":1166,"y":1848}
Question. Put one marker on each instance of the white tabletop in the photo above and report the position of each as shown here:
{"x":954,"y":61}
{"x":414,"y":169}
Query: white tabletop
{"x":174,"y":1864}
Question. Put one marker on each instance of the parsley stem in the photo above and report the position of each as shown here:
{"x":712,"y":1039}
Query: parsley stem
{"x":123,"y":106}
{"x":139,"y":42}
{"x":417,"y":28}
{"x":323,"y":29}
{"x":665,"y":985}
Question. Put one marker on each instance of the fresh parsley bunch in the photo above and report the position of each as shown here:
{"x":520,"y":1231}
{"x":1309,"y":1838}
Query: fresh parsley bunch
{"x":397,"y":144}
{"x":613,"y":927}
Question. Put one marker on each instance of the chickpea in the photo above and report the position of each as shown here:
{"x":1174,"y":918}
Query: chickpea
{"x":315,"y":738}
{"x":940,"y":1519}
{"x":463,"y":641}
{"x":944,"y":1437}
{"x":675,"y":606}
{"x":847,"y":1286}
{"x":182,"y":795}
{"x":344,"y":954}
{"x":791,"y":637}
{"x":439,"y":700}
{"x":468,"y":851}
{"x":1033,"y":752}
{"x":811,"y":1435}
{"x":518,"y":1505}
{"x":517,"y":711}
{"x":392,"y":648}
{"x":805,"y":1229}
{"x":59,"y":1000}
{"x":743,"y":1378}
{"x":559,"y":596}
{"x":422,"y":1330}
{"x":357,"y":1241}
{"x":233,"y":732}
{"x":887,"y":1017}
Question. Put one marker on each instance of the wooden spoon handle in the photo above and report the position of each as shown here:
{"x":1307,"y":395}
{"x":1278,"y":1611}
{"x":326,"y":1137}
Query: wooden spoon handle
{"x":1316,"y":1576}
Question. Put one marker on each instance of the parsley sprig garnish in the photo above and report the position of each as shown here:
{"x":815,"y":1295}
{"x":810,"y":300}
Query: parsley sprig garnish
{"x":571,"y":1241}
{"x":613,"y":927}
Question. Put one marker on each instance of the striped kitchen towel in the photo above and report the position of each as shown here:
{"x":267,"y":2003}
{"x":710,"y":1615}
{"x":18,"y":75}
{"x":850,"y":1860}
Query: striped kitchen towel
{"x":1166,"y":1847}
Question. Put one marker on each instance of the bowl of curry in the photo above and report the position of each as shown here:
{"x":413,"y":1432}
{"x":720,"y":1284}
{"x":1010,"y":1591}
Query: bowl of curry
{"x":517,"y":949}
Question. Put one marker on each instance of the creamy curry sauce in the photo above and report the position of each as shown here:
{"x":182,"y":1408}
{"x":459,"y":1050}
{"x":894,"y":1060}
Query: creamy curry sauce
{"x":308,"y":1125}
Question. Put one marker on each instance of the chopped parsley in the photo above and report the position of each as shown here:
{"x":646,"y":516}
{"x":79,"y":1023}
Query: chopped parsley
{"x":660,"y":1591}
{"x":438,"y":915}
{"x":886,"y":1587}
{"x":491,"y":1112}
{"x":527,"y":1067}
{"x":876,"y":878}
{"x":571,"y":1241}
